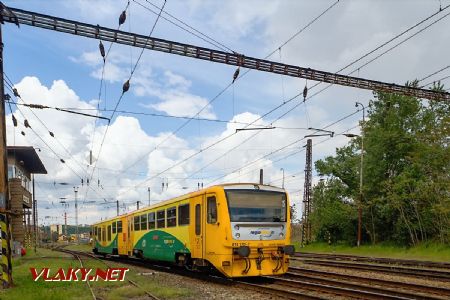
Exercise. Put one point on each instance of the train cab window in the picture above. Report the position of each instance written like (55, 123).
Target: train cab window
(109, 232)
(144, 222)
(137, 223)
(119, 226)
(161, 219)
(114, 227)
(212, 210)
(151, 220)
(198, 218)
(172, 217)
(183, 214)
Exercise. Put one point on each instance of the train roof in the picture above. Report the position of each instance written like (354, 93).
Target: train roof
(264, 187)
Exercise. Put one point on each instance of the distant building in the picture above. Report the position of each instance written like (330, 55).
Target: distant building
(23, 162)
(56, 228)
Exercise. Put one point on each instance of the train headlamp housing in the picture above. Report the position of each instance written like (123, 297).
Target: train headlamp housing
(289, 249)
(243, 251)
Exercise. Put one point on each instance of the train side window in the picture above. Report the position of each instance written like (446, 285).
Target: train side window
(99, 233)
(109, 232)
(161, 219)
(119, 226)
(198, 218)
(144, 222)
(137, 225)
(151, 220)
(212, 209)
(114, 228)
(172, 217)
(183, 214)
(95, 231)
(103, 234)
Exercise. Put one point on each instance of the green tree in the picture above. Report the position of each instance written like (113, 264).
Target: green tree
(406, 173)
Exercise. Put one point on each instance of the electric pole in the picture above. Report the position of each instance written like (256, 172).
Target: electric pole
(306, 224)
(65, 224)
(75, 189)
(361, 175)
(137, 204)
(149, 201)
(117, 206)
(6, 266)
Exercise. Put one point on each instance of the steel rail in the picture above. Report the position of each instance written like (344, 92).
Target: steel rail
(412, 287)
(341, 290)
(136, 40)
(436, 274)
(382, 260)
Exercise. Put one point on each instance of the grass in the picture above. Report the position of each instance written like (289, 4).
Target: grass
(80, 247)
(425, 251)
(27, 289)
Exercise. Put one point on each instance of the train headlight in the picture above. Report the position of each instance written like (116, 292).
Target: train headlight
(289, 249)
(237, 235)
(281, 235)
(236, 227)
(243, 251)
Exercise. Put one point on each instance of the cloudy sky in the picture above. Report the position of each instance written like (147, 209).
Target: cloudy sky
(151, 138)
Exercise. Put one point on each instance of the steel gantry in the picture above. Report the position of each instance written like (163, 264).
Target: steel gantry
(24, 17)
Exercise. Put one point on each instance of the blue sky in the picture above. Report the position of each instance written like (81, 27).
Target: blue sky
(63, 70)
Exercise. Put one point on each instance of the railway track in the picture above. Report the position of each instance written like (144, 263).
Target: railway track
(79, 254)
(303, 284)
(381, 286)
(376, 260)
(424, 273)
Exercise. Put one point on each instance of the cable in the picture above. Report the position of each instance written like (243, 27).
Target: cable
(224, 89)
(435, 81)
(123, 93)
(434, 73)
(199, 34)
(282, 148)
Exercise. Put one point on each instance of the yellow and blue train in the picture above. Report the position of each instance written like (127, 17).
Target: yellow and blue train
(238, 229)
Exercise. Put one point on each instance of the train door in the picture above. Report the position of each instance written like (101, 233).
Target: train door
(122, 236)
(196, 212)
(211, 226)
(130, 235)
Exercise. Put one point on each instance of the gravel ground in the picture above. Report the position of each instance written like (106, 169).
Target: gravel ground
(201, 289)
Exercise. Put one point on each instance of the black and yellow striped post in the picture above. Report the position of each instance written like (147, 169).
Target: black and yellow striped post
(6, 277)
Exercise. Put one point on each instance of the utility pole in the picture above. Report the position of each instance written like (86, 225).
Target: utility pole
(306, 224)
(282, 185)
(75, 189)
(137, 204)
(117, 206)
(65, 224)
(358, 243)
(6, 265)
(149, 201)
(261, 176)
(34, 217)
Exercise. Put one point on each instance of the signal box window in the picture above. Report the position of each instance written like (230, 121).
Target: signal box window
(151, 220)
(137, 224)
(172, 217)
(161, 219)
(109, 232)
(198, 217)
(183, 214)
(114, 228)
(212, 210)
(144, 222)
(119, 226)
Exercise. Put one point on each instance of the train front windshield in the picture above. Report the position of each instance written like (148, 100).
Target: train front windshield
(256, 206)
